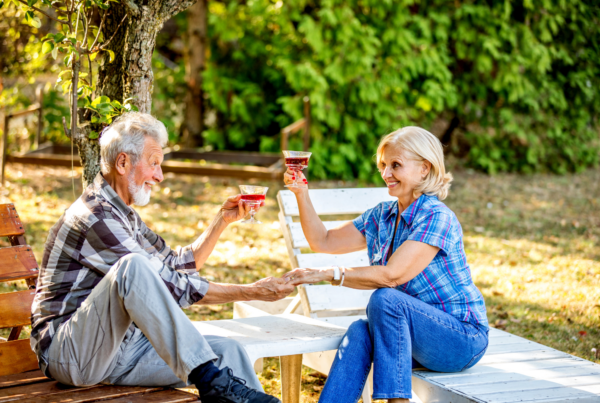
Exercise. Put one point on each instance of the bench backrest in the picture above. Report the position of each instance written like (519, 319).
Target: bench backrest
(16, 263)
(321, 298)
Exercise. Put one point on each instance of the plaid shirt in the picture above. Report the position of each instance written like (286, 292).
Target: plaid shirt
(88, 239)
(446, 283)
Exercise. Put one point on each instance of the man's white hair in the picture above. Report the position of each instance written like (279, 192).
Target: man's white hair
(127, 134)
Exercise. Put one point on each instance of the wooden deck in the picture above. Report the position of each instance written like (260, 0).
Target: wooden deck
(514, 369)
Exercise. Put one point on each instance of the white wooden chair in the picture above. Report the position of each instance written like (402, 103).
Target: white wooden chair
(513, 369)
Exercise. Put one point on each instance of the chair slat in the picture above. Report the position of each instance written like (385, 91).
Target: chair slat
(15, 308)
(10, 223)
(24, 378)
(30, 392)
(298, 238)
(336, 201)
(96, 394)
(165, 396)
(328, 297)
(15, 357)
(16, 263)
(354, 259)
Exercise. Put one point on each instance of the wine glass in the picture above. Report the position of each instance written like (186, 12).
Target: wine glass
(296, 161)
(253, 196)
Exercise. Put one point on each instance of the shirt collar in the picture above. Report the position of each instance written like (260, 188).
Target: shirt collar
(409, 214)
(102, 186)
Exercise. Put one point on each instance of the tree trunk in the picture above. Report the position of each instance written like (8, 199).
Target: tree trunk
(195, 64)
(130, 74)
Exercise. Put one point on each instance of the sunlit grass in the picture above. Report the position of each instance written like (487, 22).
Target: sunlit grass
(532, 243)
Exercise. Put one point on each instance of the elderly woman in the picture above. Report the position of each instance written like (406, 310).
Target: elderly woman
(425, 311)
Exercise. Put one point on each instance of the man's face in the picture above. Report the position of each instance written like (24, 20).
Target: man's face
(146, 173)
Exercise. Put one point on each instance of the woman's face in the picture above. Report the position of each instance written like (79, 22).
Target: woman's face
(401, 173)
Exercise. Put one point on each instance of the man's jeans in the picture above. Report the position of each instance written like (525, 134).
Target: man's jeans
(99, 345)
(401, 332)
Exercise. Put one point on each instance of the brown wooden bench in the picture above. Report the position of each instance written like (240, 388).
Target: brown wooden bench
(20, 377)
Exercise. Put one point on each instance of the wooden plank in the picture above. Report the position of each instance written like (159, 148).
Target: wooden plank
(165, 396)
(354, 259)
(519, 385)
(554, 395)
(191, 168)
(527, 356)
(514, 348)
(276, 335)
(523, 367)
(227, 157)
(330, 298)
(337, 201)
(16, 357)
(95, 394)
(15, 308)
(297, 234)
(17, 262)
(27, 392)
(24, 378)
(10, 223)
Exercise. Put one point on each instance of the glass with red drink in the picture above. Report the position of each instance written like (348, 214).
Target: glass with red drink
(253, 196)
(296, 161)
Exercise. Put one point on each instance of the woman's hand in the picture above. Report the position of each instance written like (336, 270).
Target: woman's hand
(309, 275)
(288, 179)
(234, 209)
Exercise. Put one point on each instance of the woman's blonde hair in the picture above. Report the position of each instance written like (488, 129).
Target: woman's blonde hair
(421, 146)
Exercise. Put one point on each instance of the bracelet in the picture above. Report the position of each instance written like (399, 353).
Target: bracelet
(343, 275)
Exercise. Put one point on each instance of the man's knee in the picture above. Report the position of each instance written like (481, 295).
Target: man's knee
(132, 265)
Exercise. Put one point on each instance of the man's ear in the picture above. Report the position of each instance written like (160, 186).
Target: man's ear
(122, 163)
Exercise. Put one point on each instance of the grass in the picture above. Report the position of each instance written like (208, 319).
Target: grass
(532, 243)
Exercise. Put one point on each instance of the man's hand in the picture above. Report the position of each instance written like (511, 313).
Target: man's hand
(269, 289)
(234, 209)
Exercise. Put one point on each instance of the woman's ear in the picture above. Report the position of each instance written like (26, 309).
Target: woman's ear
(122, 163)
(425, 168)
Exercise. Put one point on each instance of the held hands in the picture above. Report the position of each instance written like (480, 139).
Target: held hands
(309, 275)
(234, 209)
(271, 289)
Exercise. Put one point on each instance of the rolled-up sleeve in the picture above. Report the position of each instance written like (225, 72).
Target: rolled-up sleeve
(359, 222)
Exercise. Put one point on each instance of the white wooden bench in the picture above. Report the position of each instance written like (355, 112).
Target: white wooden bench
(513, 369)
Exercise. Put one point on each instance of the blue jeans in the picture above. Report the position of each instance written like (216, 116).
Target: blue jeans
(401, 333)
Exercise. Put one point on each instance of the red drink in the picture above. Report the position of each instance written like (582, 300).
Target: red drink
(253, 198)
(295, 161)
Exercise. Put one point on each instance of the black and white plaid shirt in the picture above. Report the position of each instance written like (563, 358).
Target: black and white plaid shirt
(88, 239)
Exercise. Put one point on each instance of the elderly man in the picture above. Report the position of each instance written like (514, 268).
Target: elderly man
(110, 291)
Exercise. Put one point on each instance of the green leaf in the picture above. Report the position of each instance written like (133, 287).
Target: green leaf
(32, 19)
(93, 135)
(54, 53)
(47, 47)
(93, 56)
(1, 3)
(101, 100)
(31, 3)
(111, 55)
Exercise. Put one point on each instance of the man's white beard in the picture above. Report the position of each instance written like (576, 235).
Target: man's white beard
(141, 197)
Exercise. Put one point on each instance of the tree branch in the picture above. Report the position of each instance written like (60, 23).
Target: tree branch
(172, 7)
(99, 31)
(105, 44)
(46, 14)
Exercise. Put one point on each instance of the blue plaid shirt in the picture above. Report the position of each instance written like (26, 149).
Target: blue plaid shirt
(446, 283)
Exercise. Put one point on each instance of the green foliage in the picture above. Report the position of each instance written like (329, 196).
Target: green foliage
(521, 77)
(80, 41)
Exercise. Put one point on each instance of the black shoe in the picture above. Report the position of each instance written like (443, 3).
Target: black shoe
(226, 388)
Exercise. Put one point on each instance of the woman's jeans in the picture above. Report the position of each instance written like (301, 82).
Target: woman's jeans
(401, 332)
